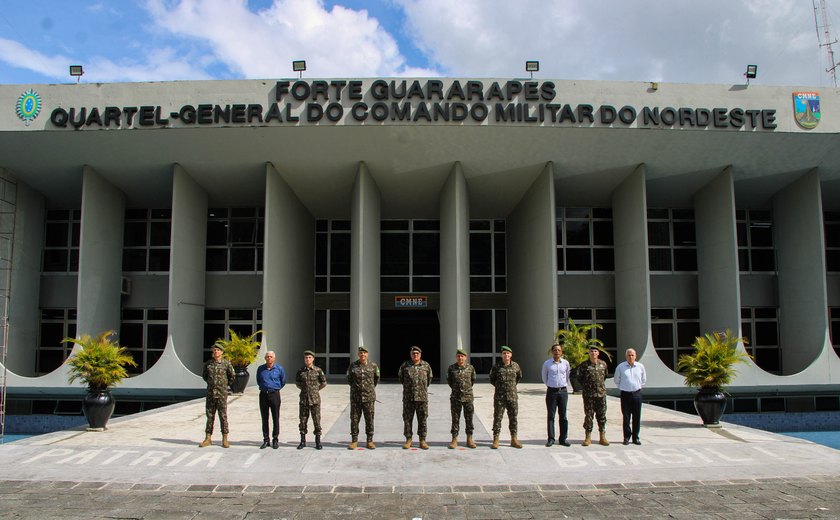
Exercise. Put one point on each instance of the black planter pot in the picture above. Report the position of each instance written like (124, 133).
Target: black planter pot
(98, 407)
(710, 404)
(574, 380)
(240, 381)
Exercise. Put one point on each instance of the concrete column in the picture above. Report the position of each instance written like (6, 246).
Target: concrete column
(800, 252)
(288, 272)
(364, 265)
(454, 268)
(27, 208)
(718, 281)
(187, 276)
(632, 276)
(100, 255)
(532, 275)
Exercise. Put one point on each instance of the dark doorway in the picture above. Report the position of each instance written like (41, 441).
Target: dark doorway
(401, 330)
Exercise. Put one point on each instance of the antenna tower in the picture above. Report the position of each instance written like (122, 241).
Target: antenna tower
(825, 40)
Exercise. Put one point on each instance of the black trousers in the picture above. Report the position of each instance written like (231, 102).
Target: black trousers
(270, 401)
(631, 413)
(556, 401)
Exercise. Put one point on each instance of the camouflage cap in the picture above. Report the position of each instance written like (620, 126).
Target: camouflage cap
(506, 348)
(461, 352)
(220, 347)
(415, 348)
(308, 353)
(362, 349)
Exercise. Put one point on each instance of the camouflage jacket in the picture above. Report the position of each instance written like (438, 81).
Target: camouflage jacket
(219, 376)
(504, 379)
(461, 381)
(591, 377)
(310, 381)
(363, 380)
(415, 380)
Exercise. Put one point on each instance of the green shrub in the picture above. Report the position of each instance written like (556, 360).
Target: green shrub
(101, 363)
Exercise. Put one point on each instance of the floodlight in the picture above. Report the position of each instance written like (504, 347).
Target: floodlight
(77, 71)
(532, 66)
(752, 71)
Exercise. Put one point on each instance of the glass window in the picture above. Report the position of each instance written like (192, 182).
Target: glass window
(61, 241)
(756, 251)
(487, 256)
(234, 239)
(671, 240)
(584, 240)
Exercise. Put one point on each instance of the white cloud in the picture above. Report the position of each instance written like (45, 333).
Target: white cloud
(334, 43)
(18, 55)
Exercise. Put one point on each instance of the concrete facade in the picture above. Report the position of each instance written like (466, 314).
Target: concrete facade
(521, 154)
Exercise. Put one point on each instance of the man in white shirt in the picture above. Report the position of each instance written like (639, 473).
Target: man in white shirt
(630, 377)
(555, 376)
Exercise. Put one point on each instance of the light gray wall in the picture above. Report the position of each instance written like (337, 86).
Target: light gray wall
(586, 290)
(759, 290)
(454, 267)
(28, 243)
(187, 260)
(364, 265)
(100, 255)
(288, 273)
(632, 280)
(673, 290)
(717, 255)
(532, 275)
(800, 251)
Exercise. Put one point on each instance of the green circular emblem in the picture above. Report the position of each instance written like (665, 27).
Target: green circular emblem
(28, 106)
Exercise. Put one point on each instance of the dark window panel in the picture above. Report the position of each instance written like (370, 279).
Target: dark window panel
(242, 212)
(55, 260)
(243, 259)
(501, 327)
(217, 233)
(577, 213)
(761, 215)
(157, 314)
(242, 329)
(159, 259)
(214, 314)
(832, 260)
(136, 214)
(661, 313)
(394, 283)
(426, 225)
(685, 259)
(659, 233)
(57, 234)
(426, 253)
(481, 284)
(479, 225)
(766, 333)
(602, 213)
(744, 260)
(75, 234)
(602, 233)
(152, 357)
(604, 259)
(321, 250)
(481, 331)
(499, 225)
(160, 234)
(52, 314)
(49, 360)
(763, 260)
(687, 332)
(577, 233)
(741, 227)
(321, 225)
(560, 264)
(131, 335)
(765, 313)
(558, 232)
(768, 359)
(832, 235)
(580, 315)
(339, 365)
(212, 332)
(339, 284)
(156, 336)
(661, 214)
(58, 214)
(604, 314)
(320, 284)
(131, 314)
(394, 253)
(394, 225)
(134, 234)
(688, 314)
(217, 213)
(340, 225)
(260, 258)
(480, 254)
(482, 365)
(163, 213)
(426, 284)
(501, 284)
(500, 253)
(52, 334)
(240, 315)
(663, 335)
(761, 235)
(684, 234)
(134, 260)
(243, 232)
(73, 261)
(660, 259)
(578, 260)
(682, 214)
(320, 331)
(217, 259)
(340, 331)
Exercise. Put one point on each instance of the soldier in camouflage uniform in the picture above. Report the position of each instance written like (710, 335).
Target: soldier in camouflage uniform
(363, 376)
(415, 375)
(461, 378)
(311, 380)
(591, 375)
(219, 374)
(504, 376)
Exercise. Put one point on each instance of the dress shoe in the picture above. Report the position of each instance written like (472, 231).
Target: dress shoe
(549, 443)
(564, 442)
(625, 442)
(637, 442)
(275, 444)
(264, 445)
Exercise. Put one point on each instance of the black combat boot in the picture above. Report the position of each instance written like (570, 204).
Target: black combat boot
(318, 445)
(302, 441)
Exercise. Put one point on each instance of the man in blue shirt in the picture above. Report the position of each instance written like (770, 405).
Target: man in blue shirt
(555, 376)
(630, 377)
(271, 378)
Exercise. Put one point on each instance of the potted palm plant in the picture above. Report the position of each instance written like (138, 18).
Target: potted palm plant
(576, 344)
(710, 368)
(241, 351)
(100, 363)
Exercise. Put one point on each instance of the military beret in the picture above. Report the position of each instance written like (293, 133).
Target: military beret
(415, 348)
(461, 352)
(362, 349)
(595, 348)
(220, 347)
(308, 353)
(506, 348)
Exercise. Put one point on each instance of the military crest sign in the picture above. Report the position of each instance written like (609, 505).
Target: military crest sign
(806, 109)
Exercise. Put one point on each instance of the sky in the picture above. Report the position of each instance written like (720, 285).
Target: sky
(676, 41)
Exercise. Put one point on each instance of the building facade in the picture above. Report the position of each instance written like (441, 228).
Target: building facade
(447, 213)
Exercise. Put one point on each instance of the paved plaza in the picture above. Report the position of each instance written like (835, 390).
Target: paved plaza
(149, 466)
